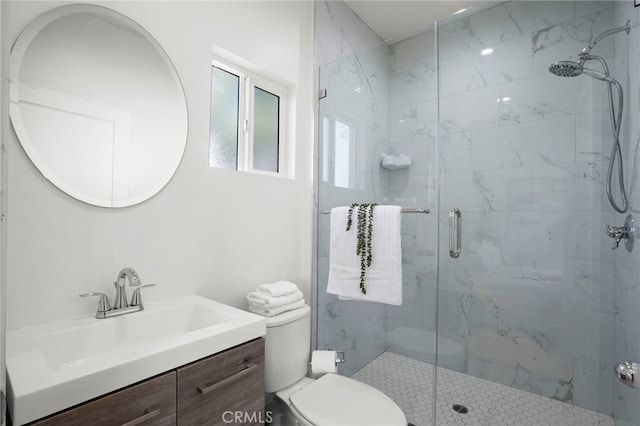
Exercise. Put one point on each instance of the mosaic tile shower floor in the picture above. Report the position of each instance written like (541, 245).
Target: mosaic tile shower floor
(409, 383)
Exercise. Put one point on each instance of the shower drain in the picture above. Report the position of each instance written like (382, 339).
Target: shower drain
(458, 408)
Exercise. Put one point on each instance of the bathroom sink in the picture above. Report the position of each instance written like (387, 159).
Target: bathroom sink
(56, 365)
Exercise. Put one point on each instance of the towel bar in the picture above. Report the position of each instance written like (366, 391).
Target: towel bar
(410, 210)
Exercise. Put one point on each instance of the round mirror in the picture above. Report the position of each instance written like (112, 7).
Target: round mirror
(97, 105)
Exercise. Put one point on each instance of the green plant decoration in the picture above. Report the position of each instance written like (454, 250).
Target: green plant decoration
(364, 233)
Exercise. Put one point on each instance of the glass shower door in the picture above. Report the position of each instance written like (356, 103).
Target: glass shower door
(377, 99)
(526, 311)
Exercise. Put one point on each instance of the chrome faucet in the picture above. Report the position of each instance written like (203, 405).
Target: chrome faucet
(121, 306)
(121, 289)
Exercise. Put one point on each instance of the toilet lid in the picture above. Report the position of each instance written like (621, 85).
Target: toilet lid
(340, 401)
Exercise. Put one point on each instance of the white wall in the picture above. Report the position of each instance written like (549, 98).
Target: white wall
(212, 232)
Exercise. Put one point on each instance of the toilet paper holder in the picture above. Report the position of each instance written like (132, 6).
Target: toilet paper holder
(340, 358)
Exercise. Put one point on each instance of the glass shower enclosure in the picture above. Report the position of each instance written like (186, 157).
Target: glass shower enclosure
(528, 323)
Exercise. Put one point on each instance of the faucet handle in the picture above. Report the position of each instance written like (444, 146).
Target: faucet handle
(103, 302)
(136, 297)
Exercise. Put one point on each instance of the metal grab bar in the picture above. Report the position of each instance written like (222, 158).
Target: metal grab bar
(455, 233)
(407, 210)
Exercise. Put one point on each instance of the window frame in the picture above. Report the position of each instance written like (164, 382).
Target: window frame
(248, 82)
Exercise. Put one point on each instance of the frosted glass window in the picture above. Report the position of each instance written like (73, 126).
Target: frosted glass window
(266, 129)
(342, 155)
(248, 114)
(223, 129)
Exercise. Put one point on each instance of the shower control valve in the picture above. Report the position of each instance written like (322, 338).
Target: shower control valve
(619, 233)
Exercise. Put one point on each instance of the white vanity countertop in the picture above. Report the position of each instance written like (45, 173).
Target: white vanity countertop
(56, 365)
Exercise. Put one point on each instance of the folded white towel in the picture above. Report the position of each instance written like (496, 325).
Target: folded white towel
(270, 312)
(278, 288)
(261, 299)
(383, 279)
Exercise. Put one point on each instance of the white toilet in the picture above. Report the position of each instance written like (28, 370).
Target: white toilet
(331, 400)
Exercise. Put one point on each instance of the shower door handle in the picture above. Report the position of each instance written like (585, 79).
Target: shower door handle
(455, 233)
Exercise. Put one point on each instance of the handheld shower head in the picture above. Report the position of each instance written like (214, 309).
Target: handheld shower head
(599, 75)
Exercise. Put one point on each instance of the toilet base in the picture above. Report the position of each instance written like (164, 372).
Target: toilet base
(278, 413)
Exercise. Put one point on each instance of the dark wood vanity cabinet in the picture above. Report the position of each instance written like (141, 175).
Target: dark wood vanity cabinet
(152, 402)
(224, 389)
(227, 388)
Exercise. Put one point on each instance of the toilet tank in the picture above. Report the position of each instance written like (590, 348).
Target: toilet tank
(287, 348)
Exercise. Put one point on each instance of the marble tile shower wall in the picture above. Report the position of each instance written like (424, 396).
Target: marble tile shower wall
(626, 409)
(523, 155)
(353, 64)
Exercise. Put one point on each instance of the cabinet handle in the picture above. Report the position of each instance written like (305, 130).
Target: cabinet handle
(143, 418)
(204, 389)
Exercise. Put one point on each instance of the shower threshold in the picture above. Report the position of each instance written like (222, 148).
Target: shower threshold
(467, 400)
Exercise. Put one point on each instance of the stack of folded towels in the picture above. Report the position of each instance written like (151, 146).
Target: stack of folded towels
(275, 298)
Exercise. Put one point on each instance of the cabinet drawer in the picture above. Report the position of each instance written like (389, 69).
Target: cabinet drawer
(152, 402)
(226, 388)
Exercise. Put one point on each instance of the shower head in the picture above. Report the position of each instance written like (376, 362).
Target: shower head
(574, 69)
(566, 69)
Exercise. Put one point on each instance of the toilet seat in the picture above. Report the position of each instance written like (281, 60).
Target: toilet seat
(340, 401)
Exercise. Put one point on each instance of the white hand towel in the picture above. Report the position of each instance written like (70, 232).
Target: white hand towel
(260, 299)
(270, 312)
(278, 288)
(383, 279)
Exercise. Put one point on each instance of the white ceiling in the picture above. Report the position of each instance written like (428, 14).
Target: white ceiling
(397, 20)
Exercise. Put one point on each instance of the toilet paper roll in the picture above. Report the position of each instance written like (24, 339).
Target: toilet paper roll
(323, 362)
